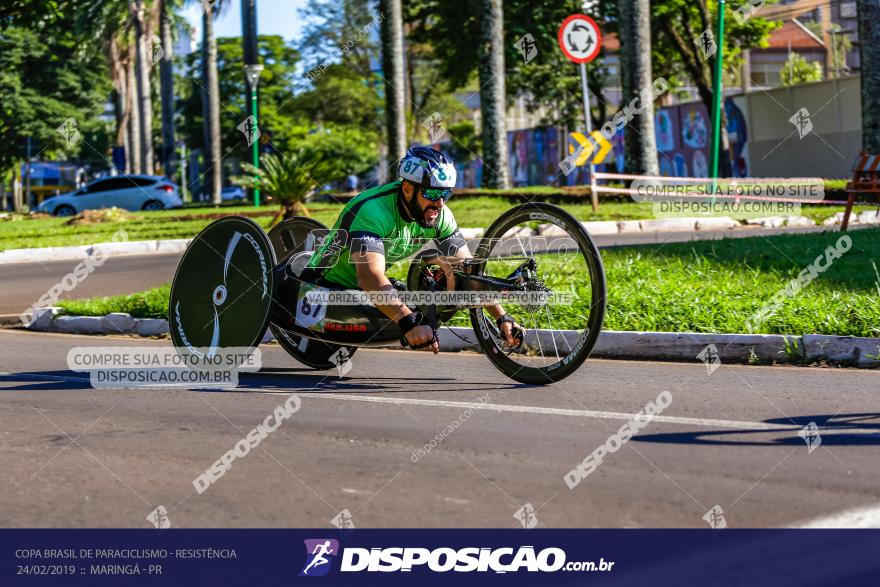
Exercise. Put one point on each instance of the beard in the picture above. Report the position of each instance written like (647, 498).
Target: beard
(419, 215)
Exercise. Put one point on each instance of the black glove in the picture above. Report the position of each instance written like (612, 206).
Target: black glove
(409, 322)
(516, 331)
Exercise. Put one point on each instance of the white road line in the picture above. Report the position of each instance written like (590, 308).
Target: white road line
(538, 410)
(864, 517)
(356, 491)
(707, 422)
(456, 501)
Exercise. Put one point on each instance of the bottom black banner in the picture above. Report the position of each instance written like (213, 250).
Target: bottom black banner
(436, 557)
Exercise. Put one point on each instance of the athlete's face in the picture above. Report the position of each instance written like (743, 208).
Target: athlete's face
(423, 210)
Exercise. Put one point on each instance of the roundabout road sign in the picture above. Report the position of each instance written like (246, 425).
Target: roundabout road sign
(580, 38)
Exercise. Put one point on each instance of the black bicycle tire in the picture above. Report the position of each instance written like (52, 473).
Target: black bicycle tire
(557, 371)
(175, 329)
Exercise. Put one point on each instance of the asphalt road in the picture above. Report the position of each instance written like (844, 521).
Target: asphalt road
(24, 283)
(74, 456)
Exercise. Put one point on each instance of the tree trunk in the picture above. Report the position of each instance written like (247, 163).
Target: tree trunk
(133, 157)
(296, 208)
(210, 101)
(144, 101)
(120, 92)
(493, 95)
(166, 85)
(392, 69)
(869, 55)
(636, 77)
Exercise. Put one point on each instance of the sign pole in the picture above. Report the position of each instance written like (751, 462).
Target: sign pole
(717, 97)
(256, 145)
(580, 40)
(252, 73)
(594, 197)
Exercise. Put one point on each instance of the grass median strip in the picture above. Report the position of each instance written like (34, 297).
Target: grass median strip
(705, 286)
(185, 222)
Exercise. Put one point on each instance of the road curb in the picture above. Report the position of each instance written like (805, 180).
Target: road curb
(612, 344)
(154, 247)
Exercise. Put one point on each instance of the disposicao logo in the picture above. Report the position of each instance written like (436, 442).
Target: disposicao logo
(320, 553)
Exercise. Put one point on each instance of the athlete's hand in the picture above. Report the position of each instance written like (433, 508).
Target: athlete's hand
(422, 335)
(508, 330)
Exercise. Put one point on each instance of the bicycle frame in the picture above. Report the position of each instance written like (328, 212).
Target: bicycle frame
(360, 324)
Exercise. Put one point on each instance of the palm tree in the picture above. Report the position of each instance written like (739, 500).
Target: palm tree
(288, 179)
(141, 23)
(108, 22)
(134, 153)
(166, 86)
(492, 95)
(392, 68)
(211, 105)
(635, 40)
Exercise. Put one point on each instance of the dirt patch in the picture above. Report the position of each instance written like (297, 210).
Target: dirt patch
(216, 215)
(100, 216)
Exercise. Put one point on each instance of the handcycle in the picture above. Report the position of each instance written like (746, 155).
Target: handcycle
(235, 281)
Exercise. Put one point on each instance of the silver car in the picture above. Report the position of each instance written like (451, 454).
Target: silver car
(130, 192)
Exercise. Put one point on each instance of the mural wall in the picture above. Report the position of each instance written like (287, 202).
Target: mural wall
(683, 134)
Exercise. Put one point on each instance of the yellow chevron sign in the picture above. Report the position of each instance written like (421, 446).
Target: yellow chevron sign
(589, 146)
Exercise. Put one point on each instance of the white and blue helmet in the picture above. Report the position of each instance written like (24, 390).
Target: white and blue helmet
(428, 168)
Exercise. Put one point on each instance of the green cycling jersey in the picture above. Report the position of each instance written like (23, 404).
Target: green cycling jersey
(376, 221)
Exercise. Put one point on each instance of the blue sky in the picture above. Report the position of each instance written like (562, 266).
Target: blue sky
(274, 17)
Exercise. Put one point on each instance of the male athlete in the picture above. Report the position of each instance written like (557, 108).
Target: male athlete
(391, 222)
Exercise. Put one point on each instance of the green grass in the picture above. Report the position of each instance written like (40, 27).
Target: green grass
(706, 286)
(470, 212)
(152, 303)
(716, 286)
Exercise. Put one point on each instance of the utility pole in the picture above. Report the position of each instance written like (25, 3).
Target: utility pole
(252, 69)
(718, 91)
(253, 75)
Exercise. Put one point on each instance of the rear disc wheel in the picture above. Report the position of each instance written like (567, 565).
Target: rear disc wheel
(222, 290)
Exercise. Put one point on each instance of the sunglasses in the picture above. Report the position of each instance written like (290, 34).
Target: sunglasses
(434, 194)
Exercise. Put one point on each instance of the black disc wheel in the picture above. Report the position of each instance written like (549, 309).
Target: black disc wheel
(554, 262)
(222, 290)
(294, 240)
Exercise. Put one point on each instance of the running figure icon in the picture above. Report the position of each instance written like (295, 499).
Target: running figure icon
(319, 555)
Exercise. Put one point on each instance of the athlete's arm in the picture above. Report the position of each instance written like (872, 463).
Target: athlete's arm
(370, 267)
(455, 246)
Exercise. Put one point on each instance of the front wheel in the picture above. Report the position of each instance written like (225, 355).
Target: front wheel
(556, 265)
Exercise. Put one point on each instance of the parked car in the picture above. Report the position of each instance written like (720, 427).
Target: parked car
(232, 193)
(130, 192)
